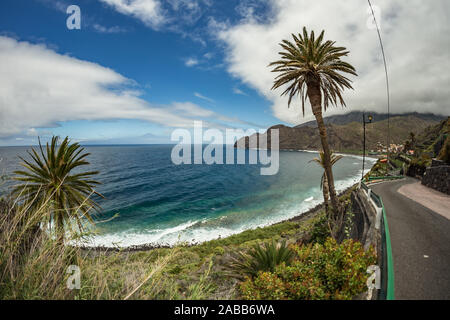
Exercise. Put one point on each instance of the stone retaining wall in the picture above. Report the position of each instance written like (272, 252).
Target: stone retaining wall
(437, 177)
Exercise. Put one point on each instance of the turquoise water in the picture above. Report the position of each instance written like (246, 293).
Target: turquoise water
(158, 202)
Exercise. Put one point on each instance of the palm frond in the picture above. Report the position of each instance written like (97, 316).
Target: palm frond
(48, 178)
(309, 59)
(321, 162)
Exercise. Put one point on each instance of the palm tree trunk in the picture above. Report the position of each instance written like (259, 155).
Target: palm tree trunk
(326, 193)
(59, 222)
(315, 97)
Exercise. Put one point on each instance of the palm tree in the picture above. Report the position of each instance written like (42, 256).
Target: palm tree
(323, 181)
(312, 70)
(413, 140)
(49, 181)
(407, 146)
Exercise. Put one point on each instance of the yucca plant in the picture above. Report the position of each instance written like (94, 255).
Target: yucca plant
(333, 221)
(49, 181)
(312, 68)
(324, 181)
(261, 258)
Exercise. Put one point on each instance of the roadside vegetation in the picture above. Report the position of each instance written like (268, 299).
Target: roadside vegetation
(319, 271)
(418, 152)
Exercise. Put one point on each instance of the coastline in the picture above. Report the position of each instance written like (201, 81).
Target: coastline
(299, 218)
(339, 153)
(344, 153)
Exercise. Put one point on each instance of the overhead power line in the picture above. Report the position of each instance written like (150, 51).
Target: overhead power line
(387, 82)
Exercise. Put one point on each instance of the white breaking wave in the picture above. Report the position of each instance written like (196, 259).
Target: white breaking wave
(130, 237)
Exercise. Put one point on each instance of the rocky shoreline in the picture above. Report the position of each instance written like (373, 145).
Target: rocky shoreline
(147, 247)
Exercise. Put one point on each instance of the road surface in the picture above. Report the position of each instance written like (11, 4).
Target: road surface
(420, 240)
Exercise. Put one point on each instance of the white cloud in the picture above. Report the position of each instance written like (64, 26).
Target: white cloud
(204, 63)
(173, 14)
(40, 88)
(189, 11)
(169, 15)
(148, 11)
(208, 55)
(32, 132)
(239, 91)
(190, 62)
(200, 96)
(193, 110)
(102, 29)
(415, 35)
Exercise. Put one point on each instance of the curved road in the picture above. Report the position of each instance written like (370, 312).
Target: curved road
(420, 245)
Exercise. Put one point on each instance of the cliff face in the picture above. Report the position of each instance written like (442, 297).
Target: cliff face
(345, 137)
(433, 138)
(356, 116)
(307, 138)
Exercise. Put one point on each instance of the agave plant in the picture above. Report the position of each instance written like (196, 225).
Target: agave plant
(312, 68)
(49, 181)
(261, 258)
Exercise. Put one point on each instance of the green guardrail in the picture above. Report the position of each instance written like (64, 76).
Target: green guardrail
(387, 262)
(390, 261)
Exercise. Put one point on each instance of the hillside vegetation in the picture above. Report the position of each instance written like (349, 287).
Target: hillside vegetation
(434, 138)
(348, 137)
(356, 116)
(36, 266)
(432, 142)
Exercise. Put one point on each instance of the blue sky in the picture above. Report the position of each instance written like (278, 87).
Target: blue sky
(138, 69)
(167, 65)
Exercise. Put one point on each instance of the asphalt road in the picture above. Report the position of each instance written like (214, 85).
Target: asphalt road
(420, 245)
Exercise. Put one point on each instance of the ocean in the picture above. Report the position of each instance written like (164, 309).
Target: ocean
(160, 203)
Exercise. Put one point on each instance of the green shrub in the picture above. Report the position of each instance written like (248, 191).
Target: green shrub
(418, 165)
(175, 269)
(219, 250)
(328, 271)
(201, 289)
(444, 154)
(378, 170)
(262, 258)
(320, 230)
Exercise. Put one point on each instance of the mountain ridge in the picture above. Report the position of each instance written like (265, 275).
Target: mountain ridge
(356, 116)
(347, 137)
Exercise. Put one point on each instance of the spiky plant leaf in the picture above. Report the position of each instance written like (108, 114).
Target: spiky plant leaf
(308, 59)
(261, 258)
(321, 162)
(48, 179)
